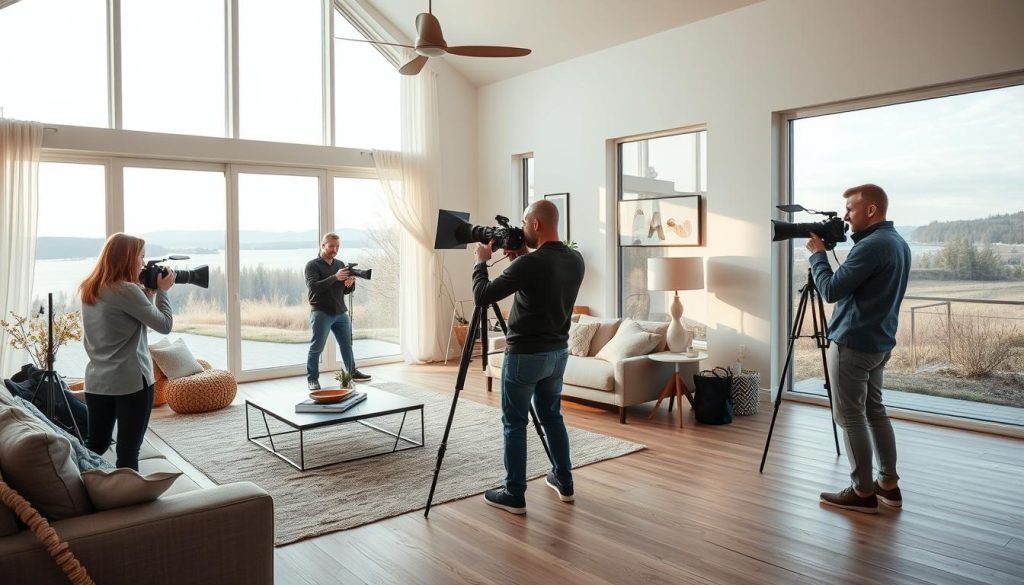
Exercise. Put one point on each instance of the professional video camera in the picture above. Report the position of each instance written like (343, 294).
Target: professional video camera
(455, 231)
(364, 274)
(199, 276)
(831, 230)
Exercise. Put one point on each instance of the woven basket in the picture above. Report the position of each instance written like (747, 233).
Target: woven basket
(746, 392)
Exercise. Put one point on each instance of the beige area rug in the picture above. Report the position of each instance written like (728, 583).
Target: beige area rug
(350, 494)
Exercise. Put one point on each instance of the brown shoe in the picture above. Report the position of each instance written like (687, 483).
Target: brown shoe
(849, 500)
(891, 497)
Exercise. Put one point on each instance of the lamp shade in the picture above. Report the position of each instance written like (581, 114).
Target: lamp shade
(675, 273)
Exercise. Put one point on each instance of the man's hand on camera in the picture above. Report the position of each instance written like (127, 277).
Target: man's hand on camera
(344, 275)
(815, 244)
(513, 254)
(165, 281)
(483, 252)
(350, 281)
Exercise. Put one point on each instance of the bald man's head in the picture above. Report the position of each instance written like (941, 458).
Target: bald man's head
(540, 223)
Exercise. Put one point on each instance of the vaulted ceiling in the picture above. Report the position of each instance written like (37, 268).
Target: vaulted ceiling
(555, 30)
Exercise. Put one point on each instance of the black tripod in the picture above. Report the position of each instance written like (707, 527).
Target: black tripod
(477, 325)
(808, 295)
(52, 382)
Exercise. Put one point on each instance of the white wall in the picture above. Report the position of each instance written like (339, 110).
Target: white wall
(730, 72)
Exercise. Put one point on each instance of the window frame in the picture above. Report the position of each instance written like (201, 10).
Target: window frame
(781, 256)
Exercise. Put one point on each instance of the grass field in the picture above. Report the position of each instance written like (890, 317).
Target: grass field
(942, 356)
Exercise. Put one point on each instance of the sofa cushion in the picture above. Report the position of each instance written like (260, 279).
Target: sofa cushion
(116, 488)
(80, 454)
(590, 373)
(659, 328)
(630, 340)
(37, 463)
(604, 333)
(175, 360)
(8, 520)
(580, 336)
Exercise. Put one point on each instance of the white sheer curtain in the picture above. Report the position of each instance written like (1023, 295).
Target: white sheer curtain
(20, 146)
(411, 183)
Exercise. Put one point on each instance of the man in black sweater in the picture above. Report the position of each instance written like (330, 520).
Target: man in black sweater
(328, 281)
(545, 282)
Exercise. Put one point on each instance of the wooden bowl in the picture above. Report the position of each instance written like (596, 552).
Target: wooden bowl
(329, 396)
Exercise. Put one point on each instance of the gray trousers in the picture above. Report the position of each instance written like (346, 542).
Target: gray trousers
(857, 407)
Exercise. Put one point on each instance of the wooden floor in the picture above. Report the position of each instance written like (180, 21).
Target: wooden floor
(692, 508)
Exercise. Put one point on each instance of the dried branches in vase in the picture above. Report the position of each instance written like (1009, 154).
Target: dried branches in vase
(29, 333)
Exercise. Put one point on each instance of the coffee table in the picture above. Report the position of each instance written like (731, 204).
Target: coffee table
(281, 406)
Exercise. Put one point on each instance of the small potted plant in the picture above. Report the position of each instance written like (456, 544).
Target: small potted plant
(344, 378)
(461, 329)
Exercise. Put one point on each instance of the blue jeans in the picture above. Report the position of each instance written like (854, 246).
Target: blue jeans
(536, 376)
(322, 324)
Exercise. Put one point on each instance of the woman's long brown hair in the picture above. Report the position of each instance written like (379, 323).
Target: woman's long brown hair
(118, 262)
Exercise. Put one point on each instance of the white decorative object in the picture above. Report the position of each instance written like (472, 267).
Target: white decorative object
(676, 274)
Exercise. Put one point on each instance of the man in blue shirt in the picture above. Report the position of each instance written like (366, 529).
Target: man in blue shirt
(867, 290)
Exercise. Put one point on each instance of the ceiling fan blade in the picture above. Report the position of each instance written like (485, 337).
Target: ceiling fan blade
(486, 51)
(413, 67)
(374, 42)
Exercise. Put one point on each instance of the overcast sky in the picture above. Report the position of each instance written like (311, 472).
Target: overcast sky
(959, 157)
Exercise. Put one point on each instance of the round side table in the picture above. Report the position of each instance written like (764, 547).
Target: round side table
(675, 389)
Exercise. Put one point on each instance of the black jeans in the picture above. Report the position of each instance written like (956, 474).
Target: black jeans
(130, 412)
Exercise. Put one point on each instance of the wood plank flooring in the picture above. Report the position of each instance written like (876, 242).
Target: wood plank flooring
(692, 508)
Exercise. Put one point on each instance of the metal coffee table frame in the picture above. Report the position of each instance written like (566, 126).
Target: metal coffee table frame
(329, 422)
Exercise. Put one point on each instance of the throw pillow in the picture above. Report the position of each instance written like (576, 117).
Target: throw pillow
(658, 327)
(629, 341)
(580, 335)
(174, 359)
(80, 454)
(604, 334)
(116, 488)
(37, 463)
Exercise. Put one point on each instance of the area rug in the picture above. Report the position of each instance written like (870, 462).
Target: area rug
(347, 495)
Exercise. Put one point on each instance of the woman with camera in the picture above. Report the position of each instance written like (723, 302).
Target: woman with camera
(116, 310)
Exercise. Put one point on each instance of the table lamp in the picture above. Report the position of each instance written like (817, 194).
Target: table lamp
(676, 274)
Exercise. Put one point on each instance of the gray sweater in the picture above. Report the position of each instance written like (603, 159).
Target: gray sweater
(115, 338)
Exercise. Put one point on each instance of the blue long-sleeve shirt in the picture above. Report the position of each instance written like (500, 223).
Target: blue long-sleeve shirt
(867, 288)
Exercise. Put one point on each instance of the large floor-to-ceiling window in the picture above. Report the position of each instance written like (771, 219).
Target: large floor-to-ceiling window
(272, 93)
(951, 168)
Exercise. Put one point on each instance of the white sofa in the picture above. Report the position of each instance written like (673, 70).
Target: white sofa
(627, 382)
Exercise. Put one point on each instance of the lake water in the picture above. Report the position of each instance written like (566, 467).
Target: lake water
(58, 276)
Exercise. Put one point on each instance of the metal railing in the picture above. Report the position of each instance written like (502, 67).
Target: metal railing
(938, 302)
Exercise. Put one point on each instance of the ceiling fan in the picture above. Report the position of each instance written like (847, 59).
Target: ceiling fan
(430, 43)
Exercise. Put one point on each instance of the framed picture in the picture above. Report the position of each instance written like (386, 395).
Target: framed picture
(561, 201)
(665, 221)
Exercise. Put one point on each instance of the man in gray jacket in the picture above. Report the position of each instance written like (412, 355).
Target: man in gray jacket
(867, 290)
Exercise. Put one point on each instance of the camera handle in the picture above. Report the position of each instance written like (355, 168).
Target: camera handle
(477, 325)
(808, 295)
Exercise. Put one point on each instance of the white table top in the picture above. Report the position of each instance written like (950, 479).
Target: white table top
(676, 358)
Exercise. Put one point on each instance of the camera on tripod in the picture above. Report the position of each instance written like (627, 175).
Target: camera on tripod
(199, 276)
(831, 230)
(455, 231)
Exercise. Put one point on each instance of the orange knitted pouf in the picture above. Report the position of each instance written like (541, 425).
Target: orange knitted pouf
(208, 390)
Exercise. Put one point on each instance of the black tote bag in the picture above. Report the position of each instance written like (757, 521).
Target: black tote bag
(712, 401)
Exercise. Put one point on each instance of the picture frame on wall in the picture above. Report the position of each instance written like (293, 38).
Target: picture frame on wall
(662, 221)
(561, 201)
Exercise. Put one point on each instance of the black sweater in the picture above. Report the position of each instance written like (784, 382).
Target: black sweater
(326, 292)
(545, 282)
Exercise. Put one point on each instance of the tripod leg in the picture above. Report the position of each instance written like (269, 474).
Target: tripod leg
(797, 326)
(820, 327)
(460, 381)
